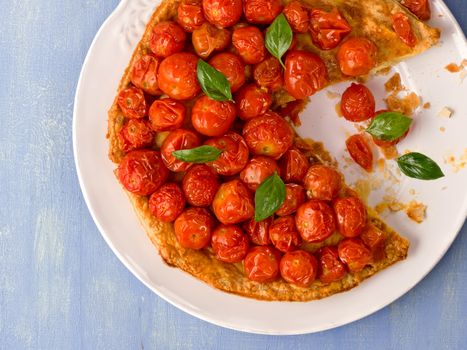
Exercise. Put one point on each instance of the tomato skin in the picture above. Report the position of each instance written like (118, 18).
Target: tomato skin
(323, 182)
(305, 73)
(315, 221)
(258, 231)
(137, 133)
(298, 16)
(166, 39)
(357, 56)
(257, 170)
(142, 172)
(229, 243)
(420, 8)
(132, 103)
(330, 267)
(233, 203)
(232, 67)
(268, 135)
(354, 254)
(262, 264)
(360, 151)
(375, 240)
(208, 39)
(166, 114)
(283, 234)
(223, 13)
(357, 103)
(294, 165)
(190, 15)
(193, 228)
(234, 156)
(403, 28)
(177, 140)
(351, 216)
(327, 29)
(144, 74)
(212, 118)
(261, 11)
(299, 267)
(249, 42)
(294, 198)
(200, 185)
(268, 74)
(252, 101)
(177, 76)
(168, 202)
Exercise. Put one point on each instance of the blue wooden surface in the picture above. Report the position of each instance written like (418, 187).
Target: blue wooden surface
(61, 287)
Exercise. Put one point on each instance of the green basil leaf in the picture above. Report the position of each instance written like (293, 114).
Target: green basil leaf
(419, 166)
(389, 126)
(279, 37)
(213, 83)
(202, 154)
(269, 197)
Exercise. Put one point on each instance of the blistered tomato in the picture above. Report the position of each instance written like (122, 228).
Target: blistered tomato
(268, 74)
(177, 140)
(262, 264)
(137, 133)
(294, 165)
(403, 28)
(330, 267)
(193, 228)
(168, 202)
(257, 170)
(420, 8)
(327, 29)
(209, 38)
(299, 267)
(190, 15)
(234, 154)
(284, 235)
(323, 182)
(294, 198)
(233, 203)
(212, 118)
(351, 216)
(252, 101)
(223, 13)
(315, 221)
(144, 74)
(258, 231)
(166, 114)
(354, 254)
(357, 56)
(166, 39)
(229, 243)
(261, 11)
(360, 151)
(357, 103)
(132, 103)
(298, 16)
(249, 42)
(200, 185)
(232, 67)
(375, 240)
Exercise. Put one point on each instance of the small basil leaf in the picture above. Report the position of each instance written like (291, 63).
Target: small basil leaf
(213, 83)
(389, 126)
(419, 166)
(279, 37)
(269, 197)
(202, 154)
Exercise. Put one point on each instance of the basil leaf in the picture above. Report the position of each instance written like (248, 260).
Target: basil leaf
(202, 154)
(269, 197)
(419, 166)
(279, 37)
(389, 126)
(213, 83)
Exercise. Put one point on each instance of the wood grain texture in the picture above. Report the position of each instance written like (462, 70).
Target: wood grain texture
(61, 287)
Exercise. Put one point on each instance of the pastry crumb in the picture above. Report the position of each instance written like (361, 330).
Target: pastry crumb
(456, 165)
(426, 105)
(338, 110)
(381, 164)
(442, 129)
(390, 152)
(332, 94)
(405, 105)
(445, 112)
(384, 71)
(453, 68)
(394, 84)
(416, 211)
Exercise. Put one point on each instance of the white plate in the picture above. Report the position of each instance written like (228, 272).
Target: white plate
(446, 198)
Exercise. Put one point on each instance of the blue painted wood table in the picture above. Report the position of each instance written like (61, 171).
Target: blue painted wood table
(61, 287)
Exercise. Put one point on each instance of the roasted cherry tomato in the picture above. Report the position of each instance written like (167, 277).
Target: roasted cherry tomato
(268, 135)
(268, 74)
(144, 74)
(328, 28)
(305, 73)
(354, 254)
(375, 239)
(177, 76)
(357, 103)
(137, 133)
(257, 170)
(142, 172)
(284, 235)
(294, 198)
(193, 228)
(262, 264)
(166, 39)
(190, 15)
(351, 216)
(294, 165)
(166, 114)
(223, 13)
(249, 42)
(209, 38)
(258, 231)
(200, 185)
(232, 67)
(234, 154)
(233, 203)
(299, 267)
(212, 118)
(360, 151)
(315, 221)
(357, 56)
(298, 16)
(252, 101)
(323, 182)
(403, 28)
(330, 267)
(168, 202)
(132, 103)
(177, 140)
(229, 243)
(261, 11)
(420, 8)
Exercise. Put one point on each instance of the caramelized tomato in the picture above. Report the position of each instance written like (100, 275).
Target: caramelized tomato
(233, 203)
(232, 67)
(193, 228)
(261, 11)
(177, 140)
(190, 15)
(249, 42)
(262, 264)
(315, 221)
(354, 254)
(200, 185)
(351, 216)
(258, 231)
(132, 103)
(166, 114)
(298, 16)
(323, 182)
(234, 154)
(420, 8)
(294, 198)
(167, 203)
(375, 240)
(283, 234)
(360, 151)
(357, 103)
(166, 39)
(257, 170)
(252, 101)
(229, 243)
(268, 74)
(330, 267)
(137, 133)
(294, 165)
(223, 13)
(403, 28)
(208, 39)
(328, 28)
(212, 118)
(144, 74)
(299, 267)
(357, 56)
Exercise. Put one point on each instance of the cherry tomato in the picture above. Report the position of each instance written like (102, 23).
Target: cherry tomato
(142, 172)
(193, 228)
(360, 151)
(229, 243)
(166, 39)
(234, 154)
(167, 203)
(323, 182)
(403, 28)
(328, 28)
(252, 101)
(283, 234)
(166, 114)
(177, 140)
(305, 73)
(330, 267)
(420, 8)
(298, 16)
(208, 39)
(257, 170)
(354, 254)
(351, 216)
(132, 103)
(315, 221)
(137, 133)
(268, 74)
(177, 76)
(249, 42)
(357, 56)
(190, 15)
(258, 231)
(223, 13)
(294, 198)
(232, 67)
(294, 165)
(261, 11)
(233, 203)
(144, 74)
(212, 118)
(375, 240)
(299, 267)
(200, 185)
(262, 264)
(357, 103)
(268, 135)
